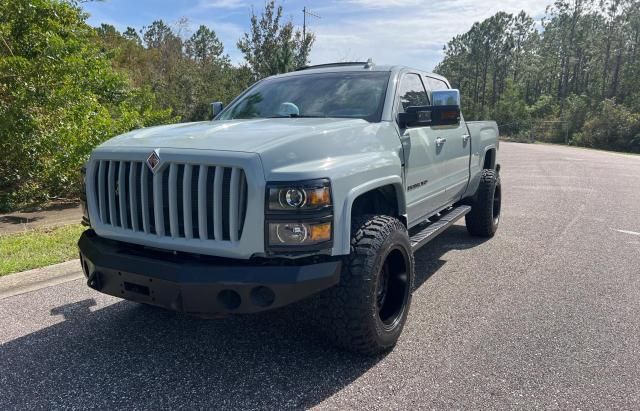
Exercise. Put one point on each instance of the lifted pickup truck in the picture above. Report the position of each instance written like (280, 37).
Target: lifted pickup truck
(321, 182)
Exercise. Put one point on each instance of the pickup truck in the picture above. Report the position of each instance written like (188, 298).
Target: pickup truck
(318, 183)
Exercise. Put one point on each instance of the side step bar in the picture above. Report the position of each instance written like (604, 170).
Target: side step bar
(431, 231)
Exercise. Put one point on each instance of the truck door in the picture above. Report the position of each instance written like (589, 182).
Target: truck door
(424, 169)
(455, 149)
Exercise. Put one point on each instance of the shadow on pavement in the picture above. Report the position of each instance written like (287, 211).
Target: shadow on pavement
(428, 258)
(134, 356)
(12, 219)
(55, 206)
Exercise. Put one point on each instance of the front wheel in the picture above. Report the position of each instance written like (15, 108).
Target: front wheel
(484, 217)
(367, 311)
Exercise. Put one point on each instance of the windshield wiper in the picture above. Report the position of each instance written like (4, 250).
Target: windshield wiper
(297, 116)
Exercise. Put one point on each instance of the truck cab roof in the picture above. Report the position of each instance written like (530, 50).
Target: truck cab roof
(354, 67)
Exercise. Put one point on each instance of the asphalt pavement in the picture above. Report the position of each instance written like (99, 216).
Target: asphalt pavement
(544, 315)
(52, 215)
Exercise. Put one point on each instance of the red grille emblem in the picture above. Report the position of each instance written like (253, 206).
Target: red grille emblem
(153, 161)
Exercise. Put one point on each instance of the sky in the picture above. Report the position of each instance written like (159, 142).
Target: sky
(406, 32)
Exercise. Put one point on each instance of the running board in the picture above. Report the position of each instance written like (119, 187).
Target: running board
(431, 231)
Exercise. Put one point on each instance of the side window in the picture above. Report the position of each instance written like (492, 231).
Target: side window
(412, 92)
(435, 84)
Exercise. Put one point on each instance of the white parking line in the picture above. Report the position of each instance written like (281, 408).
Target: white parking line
(626, 232)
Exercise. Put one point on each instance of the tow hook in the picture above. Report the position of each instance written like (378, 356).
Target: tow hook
(94, 281)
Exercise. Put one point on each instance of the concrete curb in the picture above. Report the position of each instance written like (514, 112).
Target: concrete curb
(32, 280)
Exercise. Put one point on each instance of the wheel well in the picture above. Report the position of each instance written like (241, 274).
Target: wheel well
(490, 159)
(381, 200)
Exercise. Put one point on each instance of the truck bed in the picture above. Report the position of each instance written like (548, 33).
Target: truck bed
(483, 133)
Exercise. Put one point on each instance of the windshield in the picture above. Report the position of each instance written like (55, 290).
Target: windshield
(344, 94)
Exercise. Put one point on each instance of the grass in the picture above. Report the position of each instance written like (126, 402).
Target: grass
(39, 248)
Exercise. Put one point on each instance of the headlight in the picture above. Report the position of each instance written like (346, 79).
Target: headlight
(298, 216)
(303, 196)
(298, 233)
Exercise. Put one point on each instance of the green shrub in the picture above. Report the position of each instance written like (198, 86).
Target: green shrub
(59, 98)
(611, 126)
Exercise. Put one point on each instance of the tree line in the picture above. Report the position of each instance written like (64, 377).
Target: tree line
(573, 77)
(65, 86)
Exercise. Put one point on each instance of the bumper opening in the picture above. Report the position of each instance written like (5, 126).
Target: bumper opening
(136, 288)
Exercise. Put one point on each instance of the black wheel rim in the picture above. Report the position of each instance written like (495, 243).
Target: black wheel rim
(392, 290)
(497, 203)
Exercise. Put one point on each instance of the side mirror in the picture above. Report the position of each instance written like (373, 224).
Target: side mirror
(449, 97)
(216, 108)
(445, 115)
(445, 109)
(415, 116)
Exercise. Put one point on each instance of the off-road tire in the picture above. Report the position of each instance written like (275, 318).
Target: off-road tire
(349, 312)
(484, 217)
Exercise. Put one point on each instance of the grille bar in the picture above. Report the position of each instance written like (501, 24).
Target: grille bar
(112, 192)
(202, 202)
(144, 183)
(186, 202)
(233, 204)
(192, 201)
(122, 194)
(217, 208)
(242, 201)
(173, 201)
(133, 195)
(158, 209)
(101, 191)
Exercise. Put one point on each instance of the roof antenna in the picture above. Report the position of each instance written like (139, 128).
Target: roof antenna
(369, 65)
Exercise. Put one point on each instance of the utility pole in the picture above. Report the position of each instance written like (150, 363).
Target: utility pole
(306, 12)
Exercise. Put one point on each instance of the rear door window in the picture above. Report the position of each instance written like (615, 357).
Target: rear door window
(435, 84)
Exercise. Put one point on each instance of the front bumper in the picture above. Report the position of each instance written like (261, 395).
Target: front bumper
(199, 284)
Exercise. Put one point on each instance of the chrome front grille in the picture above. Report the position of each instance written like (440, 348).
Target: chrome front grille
(179, 200)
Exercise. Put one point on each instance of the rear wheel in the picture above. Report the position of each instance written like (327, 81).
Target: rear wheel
(367, 311)
(484, 217)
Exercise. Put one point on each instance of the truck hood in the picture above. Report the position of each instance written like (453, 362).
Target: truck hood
(251, 136)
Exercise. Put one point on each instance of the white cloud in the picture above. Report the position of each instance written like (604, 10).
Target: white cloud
(382, 4)
(412, 33)
(221, 4)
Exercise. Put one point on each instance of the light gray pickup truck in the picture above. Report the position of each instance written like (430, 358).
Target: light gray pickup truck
(321, 182)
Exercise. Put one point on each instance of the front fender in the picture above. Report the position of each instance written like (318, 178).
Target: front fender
(345, 225)
(351, 176)
(355, 159)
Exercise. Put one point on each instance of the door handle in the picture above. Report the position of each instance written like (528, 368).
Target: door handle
(440, 141)
(465, 138)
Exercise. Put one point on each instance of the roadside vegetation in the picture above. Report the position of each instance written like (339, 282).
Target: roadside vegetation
(38, 248)
(573, 79)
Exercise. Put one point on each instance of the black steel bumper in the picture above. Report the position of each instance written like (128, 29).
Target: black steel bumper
(198, 284)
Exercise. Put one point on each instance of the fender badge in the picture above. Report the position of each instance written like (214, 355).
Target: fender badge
(153, 161)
